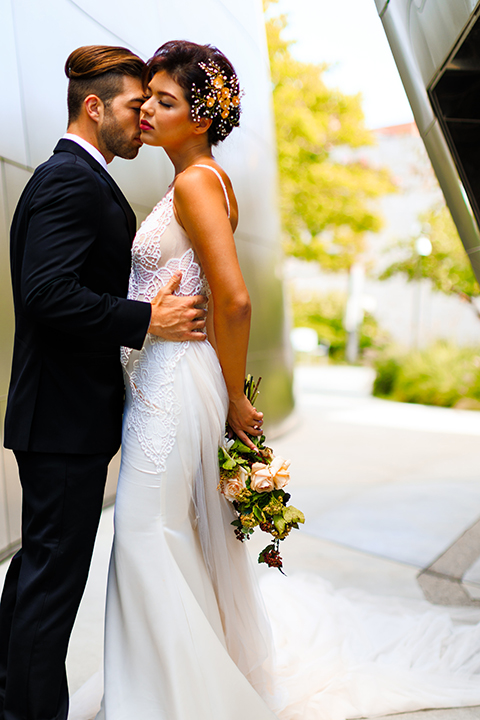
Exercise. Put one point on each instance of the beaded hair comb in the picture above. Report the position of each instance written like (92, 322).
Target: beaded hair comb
(218, 98)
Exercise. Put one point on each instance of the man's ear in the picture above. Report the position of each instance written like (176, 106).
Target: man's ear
(202, 125)
(94, 107)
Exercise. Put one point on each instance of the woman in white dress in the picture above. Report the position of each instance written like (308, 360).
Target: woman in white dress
(186, 634)
(184, 623)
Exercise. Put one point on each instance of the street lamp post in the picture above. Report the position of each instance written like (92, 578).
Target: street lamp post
(423, 247)
(354, 310)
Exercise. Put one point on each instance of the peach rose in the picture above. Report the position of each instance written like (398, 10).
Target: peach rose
(261, 479)
(232, 488)
(266, 478)
(280, 472)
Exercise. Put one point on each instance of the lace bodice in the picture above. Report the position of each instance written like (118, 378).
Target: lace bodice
(160, 248)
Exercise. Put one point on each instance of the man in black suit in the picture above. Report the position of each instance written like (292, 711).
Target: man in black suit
(70, 260)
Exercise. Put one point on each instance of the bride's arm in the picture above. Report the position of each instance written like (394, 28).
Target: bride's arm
(200, 205)
(210, 325)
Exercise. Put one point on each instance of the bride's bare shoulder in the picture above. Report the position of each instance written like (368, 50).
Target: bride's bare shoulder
(203, 175)
(206, 183)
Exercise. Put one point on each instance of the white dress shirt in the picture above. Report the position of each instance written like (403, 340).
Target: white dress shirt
(96, 154)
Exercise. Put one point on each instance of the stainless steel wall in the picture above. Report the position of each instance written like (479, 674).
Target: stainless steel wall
(35, 40)
(422, 35)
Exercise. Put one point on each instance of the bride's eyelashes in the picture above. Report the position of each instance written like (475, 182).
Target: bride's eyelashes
(164, 104)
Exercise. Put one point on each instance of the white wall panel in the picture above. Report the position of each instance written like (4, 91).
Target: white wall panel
(12, 128)
(15, 180)
(6, 303)
(46, 33)
(434, 30)
(431, 28)
(4, 529)
(14, 492)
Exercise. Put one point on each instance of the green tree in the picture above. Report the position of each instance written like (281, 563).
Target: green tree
(447, 266)
(326, 202)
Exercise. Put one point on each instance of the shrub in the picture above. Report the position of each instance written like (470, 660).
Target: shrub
(442, 374)
(387, 368)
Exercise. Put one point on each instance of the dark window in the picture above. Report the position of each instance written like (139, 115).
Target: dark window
(455, 97)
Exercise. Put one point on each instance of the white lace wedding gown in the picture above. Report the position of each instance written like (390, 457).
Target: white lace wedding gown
(183, 613)
(186, 633)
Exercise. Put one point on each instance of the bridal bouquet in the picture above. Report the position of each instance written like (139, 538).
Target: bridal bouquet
(254, 481)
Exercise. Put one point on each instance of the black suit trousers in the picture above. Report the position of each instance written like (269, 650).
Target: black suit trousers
(62, 502)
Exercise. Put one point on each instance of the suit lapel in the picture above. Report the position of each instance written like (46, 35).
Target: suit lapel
(70, 146)
(123, 202)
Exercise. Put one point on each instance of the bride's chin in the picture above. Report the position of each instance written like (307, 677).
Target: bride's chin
(147, 139)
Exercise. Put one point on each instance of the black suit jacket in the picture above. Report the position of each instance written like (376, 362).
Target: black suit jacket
(71, 239)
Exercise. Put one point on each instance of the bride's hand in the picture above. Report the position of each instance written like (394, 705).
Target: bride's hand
(177, 318)
(243, 418)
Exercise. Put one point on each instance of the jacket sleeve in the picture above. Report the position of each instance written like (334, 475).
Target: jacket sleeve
(63, 224)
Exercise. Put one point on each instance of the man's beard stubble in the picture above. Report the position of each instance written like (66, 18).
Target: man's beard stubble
(114, 139)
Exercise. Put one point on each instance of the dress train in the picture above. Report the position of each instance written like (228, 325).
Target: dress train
(343, 654)
(347, 654)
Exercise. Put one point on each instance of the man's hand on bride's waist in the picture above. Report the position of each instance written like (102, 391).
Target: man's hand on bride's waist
(178, 318)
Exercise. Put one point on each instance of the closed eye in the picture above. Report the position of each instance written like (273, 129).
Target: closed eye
(160, 102)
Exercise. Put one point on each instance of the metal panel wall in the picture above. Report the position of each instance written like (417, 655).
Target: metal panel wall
(422, 35)
(35, 40)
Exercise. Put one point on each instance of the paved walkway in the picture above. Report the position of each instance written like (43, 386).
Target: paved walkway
(386, 488)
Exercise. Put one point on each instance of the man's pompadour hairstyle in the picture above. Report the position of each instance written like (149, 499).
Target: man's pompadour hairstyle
(98, 70)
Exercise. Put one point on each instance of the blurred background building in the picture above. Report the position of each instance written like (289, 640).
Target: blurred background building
(35, 40)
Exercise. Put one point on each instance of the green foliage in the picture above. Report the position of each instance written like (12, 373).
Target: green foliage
(325, 313)
(325, 202)
(443, 374)
(447, 266)
(387, 368)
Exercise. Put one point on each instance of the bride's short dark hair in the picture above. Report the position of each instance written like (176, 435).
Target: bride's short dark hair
(203, 72)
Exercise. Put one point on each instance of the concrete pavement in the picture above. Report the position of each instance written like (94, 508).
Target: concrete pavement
(386, 488)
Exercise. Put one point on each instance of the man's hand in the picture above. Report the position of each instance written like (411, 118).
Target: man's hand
(178, 318)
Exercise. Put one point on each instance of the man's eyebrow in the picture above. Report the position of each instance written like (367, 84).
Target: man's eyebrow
(139, 100)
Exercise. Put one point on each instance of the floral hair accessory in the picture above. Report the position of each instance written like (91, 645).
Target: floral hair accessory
(218, 99)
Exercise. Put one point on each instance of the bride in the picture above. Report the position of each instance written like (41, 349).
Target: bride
(186, 633)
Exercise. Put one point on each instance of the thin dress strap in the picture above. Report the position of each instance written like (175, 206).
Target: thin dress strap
(209, 167)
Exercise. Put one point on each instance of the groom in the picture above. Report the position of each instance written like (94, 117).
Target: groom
(70, 260)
